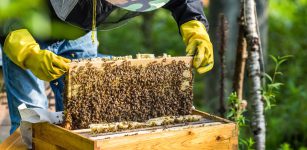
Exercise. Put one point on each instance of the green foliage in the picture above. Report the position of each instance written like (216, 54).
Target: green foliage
(36, 17)
(269, 92)
(235, 113)
(246, 144)
(129, 39)
(235, 110)
(271, 89)
(287, 35)
(285, 146)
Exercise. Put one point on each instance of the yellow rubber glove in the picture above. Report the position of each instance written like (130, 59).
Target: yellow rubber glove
(23, 50)
(198, 43)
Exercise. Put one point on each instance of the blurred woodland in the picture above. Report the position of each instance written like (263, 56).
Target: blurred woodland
(282, 30)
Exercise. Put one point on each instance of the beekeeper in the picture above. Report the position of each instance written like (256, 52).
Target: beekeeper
(27, 64)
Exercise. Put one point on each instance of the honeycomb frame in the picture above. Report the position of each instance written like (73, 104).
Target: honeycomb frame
(104, 91)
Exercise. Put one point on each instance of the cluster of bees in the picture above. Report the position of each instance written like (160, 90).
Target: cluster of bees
(127, 125)
(113, 92)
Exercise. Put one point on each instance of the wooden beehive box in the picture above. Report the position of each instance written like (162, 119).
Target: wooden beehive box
(164, 87)
(213, 133)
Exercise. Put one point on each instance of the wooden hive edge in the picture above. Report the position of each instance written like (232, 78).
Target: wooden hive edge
(144, 61)
(59, 137)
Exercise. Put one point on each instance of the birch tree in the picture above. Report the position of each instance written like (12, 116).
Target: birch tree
(254, 71)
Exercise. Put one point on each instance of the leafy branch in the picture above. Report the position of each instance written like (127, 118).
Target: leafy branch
(249, 143)
(236, 109)
(271, 89)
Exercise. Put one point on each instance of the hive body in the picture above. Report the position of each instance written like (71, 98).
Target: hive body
(99, 91)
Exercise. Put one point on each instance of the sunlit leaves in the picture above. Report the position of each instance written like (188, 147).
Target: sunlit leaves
(272, 88)
(246, 144)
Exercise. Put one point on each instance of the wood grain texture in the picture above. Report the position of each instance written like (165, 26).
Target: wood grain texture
(210, 116)
(13, 142)
(141, 61)
(221, 135)
(44, 145)
(46, 136)
(61, 137)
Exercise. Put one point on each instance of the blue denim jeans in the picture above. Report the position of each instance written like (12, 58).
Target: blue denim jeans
(23, 87)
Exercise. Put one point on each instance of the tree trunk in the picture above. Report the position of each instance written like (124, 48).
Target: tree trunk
(212, 77)
(241, 57)
(230, 9)
(254, 70)
(222, 36)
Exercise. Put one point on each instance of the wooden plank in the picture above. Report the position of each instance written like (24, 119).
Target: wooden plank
(221, 137)
(13, 142)
(210, 119)
(210, 116)
(43, 145)
(59, 136)
(134, 62)
(148, 131)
